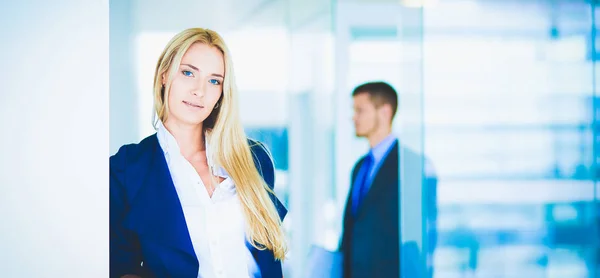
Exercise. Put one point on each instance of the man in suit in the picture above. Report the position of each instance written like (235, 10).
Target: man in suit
(370, 239)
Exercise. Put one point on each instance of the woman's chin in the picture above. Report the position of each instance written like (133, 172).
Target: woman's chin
(189, 120)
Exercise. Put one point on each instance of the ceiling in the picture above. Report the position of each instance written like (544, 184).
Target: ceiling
(445, 16)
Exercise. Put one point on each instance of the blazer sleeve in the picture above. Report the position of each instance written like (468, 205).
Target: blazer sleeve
(125, 254)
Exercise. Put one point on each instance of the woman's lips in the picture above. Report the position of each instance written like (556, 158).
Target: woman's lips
(192, 104)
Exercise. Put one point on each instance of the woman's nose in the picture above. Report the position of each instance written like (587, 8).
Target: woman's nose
(198, 90)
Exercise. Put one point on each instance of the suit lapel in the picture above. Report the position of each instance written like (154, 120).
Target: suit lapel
(384, 176)
(348, 216)
(389, 167)
(156, 213)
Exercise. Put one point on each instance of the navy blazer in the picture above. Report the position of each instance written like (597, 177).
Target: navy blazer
(148, 232)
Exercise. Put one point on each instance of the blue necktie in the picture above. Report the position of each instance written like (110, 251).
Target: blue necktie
(361, 187)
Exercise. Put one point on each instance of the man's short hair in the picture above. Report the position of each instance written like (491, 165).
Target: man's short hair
(380, 93)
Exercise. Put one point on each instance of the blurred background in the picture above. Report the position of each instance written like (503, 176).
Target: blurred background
(501, 95)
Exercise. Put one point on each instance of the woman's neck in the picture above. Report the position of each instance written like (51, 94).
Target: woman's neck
(189, 138)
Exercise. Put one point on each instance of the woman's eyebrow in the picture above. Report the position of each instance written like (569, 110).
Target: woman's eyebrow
(198, 70)
(191, 66)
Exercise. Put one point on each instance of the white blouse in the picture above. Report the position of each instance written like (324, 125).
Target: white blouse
(216, 225)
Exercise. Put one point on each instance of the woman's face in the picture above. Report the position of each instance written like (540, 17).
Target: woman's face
(196, 86)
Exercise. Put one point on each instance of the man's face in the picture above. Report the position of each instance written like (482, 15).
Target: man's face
(365, 118)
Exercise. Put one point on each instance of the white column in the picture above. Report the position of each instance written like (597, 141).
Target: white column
(310, 124)
(301, 185)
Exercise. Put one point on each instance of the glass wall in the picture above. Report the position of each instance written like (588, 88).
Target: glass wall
(509, 119)
(501, 98)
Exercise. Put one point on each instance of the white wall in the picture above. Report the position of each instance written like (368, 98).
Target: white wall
(54, 143)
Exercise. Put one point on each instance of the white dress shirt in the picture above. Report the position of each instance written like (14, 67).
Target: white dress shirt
(216, 225)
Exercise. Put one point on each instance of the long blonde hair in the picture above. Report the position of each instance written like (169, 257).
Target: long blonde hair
(226, 139)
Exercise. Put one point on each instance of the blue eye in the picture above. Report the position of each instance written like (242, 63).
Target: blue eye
(215, 82)
(188, 73)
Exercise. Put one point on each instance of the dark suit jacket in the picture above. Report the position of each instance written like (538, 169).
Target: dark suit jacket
(370, 239)
(147, 224)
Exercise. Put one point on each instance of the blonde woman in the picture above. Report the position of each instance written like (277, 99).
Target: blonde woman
(196, 198)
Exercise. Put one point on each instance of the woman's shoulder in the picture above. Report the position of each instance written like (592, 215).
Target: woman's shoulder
(129, 153)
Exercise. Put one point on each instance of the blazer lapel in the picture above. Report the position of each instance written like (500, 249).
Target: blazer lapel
(156, 213)
(157, 216)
